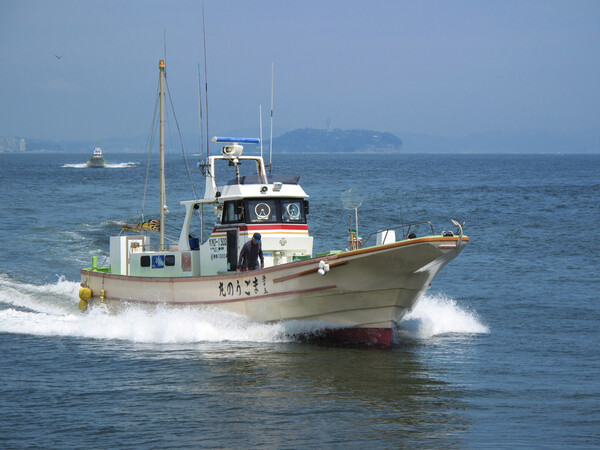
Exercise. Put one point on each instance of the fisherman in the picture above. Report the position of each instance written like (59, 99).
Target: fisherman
(251, 251)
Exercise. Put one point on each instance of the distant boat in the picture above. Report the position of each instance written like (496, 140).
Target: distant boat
(97, 160)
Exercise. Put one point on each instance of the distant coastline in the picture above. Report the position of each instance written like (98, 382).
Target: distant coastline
(311, 140)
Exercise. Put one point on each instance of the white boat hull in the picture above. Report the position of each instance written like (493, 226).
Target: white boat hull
(363, 296)
(96, 162)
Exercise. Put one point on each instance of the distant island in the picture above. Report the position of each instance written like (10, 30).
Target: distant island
(311, 140)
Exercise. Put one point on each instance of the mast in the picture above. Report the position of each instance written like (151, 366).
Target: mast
(161, 94)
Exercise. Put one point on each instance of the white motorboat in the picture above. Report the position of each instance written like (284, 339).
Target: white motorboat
(357, 295)
(97, 159)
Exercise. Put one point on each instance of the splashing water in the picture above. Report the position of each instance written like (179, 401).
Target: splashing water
(58, 298)
(439, 315)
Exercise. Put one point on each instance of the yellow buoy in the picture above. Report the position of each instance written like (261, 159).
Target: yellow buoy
(84, 294)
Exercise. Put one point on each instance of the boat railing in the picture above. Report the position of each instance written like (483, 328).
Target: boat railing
(406, 235)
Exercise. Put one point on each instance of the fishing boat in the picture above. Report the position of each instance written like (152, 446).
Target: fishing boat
(96, 160)
(359, 294)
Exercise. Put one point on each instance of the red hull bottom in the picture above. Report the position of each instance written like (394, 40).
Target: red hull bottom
(373, 336)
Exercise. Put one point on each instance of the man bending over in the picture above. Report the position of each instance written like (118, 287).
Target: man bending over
(251, 251)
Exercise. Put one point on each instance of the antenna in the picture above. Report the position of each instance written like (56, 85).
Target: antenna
(271, 140)
(200, 128)
(205, 79)
(165, 44)
(260, 122)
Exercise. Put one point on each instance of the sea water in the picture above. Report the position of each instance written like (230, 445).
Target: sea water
(502, 351)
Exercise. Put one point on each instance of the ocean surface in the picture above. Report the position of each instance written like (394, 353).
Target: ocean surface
(502, 351)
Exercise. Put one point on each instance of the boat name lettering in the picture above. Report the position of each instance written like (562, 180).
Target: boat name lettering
(249, 287)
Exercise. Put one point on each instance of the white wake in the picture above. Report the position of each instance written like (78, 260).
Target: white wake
(107, 166)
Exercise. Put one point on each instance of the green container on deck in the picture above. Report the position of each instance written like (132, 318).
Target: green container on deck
(330, 252)
(300, 257)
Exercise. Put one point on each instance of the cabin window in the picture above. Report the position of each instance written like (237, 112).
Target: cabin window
(262, 211)
(145, 261)
(233, 212)
(291, 211)
(169, 260)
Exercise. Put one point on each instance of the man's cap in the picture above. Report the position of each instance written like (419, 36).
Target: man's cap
(256, 236)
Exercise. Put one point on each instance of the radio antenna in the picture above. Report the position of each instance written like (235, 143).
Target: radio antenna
(165, 43)
(205, 80)
(260, 124)
(200, 126)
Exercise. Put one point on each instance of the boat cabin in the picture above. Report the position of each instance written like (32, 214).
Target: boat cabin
(274, 206)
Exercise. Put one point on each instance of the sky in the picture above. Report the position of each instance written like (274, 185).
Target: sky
(447, 68)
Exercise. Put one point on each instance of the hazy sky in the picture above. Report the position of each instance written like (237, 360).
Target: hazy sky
(436, 67)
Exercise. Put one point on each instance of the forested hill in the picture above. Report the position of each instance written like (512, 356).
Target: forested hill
(310, 140)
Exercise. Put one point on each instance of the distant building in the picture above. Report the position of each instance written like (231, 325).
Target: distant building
(8, 144)
(22, 145)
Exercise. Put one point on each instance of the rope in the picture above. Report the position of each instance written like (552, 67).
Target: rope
(181, 140)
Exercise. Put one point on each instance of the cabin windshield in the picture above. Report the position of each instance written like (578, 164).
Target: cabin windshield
(264, 210)
(233, 212)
